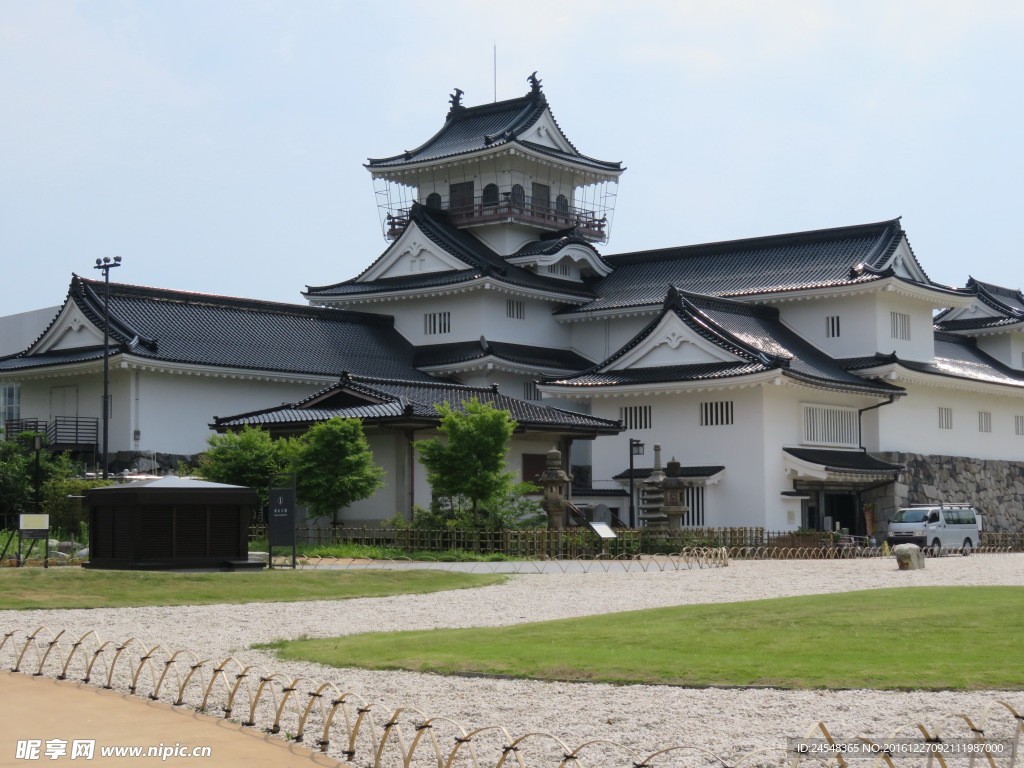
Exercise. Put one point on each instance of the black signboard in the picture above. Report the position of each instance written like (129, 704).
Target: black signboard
(281, 525)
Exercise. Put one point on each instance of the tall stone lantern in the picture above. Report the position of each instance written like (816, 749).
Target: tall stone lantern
(672, 489)
(553, 481)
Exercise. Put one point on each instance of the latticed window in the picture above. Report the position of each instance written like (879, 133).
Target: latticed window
(984, 421)
(945, 418)
(1018, 425)
(437, 322)
(900, 322)
(831, 425)
(716, 413)
(832, 326)
(10, 402)
(515, 309)
(530, 391)
(635, 416)
(561, 268)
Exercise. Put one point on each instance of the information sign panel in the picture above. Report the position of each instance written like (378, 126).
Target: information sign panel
(603, 530)
(34, 526)
(281, 524)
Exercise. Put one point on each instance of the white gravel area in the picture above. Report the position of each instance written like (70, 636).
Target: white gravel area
(646, 718)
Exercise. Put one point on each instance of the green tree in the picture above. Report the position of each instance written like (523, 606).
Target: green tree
(247, 457)
(18, 473)
(466, 470)
(334, 467)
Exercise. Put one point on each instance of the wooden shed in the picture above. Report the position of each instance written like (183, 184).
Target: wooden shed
(170, 523)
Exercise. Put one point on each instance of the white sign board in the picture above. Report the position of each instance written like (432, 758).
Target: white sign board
(603, 530)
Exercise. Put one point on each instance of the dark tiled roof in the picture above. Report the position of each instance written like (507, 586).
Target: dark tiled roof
(586, 493)
(1008, 303)
(642, 473)
(480, 260)
(471, 129)
(552, 242)
(848, 462)
(820, 258)
(193, 328)
(955, 357)
(753, 334)
(524, 354)
(376, 399)
(61, 357)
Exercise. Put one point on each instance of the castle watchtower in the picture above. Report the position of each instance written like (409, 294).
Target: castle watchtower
(504, 170)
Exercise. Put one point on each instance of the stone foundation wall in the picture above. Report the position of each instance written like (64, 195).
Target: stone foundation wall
(994, 488)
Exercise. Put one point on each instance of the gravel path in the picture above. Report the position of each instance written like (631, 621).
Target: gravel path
(647, 718)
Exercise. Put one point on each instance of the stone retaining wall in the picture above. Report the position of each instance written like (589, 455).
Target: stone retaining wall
(995, 488)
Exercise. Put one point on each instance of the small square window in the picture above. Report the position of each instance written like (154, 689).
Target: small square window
(945, 418)
(984, 421)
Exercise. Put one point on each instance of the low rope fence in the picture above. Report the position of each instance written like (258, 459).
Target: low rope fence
(344, 723)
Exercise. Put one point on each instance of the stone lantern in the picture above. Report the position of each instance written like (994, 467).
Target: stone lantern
(553, 481)
(672, 488)
(651, 513)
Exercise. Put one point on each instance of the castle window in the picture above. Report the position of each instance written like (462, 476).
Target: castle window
(561, 268)
(518, 194)
(831, 425)
(717, 413)
(541, 197)
(832, 326)
(530, 391)
(635, 416)
(1018, 425)
(900, 324)
(515, 309)
(460, 196)
(490, 194)
(434, 201)
(437, 322)
(945, 418)
(10, 403)
(562, 206)
(984, 421)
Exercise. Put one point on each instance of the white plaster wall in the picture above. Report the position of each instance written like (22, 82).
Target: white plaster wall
(389, 453)
(911, 424)
(857, 322)
(921, 346)
(598, 339)
(1007, 348)
(475, 314)
(737, 500)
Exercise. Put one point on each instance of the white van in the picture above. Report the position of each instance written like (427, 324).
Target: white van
(939, 526)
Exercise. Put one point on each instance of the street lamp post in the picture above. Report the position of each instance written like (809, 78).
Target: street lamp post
(105, 265)
(636, 448)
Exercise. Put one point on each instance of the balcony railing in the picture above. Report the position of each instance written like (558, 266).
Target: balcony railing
(64, 432)
(526, 210)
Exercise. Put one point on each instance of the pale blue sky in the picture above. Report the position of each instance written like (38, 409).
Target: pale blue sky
(217, 145)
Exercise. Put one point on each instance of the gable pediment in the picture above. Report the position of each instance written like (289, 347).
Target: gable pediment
(547, 133)
(71, 330)
(673, 342)
(904, 263)
(412, 254)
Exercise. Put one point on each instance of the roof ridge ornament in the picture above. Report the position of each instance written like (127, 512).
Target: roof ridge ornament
(534, 83)
(456, 102)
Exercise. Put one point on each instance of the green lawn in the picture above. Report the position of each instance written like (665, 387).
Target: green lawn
(925, 637)
(27, 588)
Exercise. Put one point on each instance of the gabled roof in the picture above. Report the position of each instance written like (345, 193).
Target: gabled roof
(956, 357)
(434, 355)
(823, 258)
(378, 400)
(488, 126)
(1002, 308)
(177, 327)
(480, 262)
(752, 340)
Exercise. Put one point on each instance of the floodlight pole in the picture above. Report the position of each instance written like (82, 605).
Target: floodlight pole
(105, 265)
